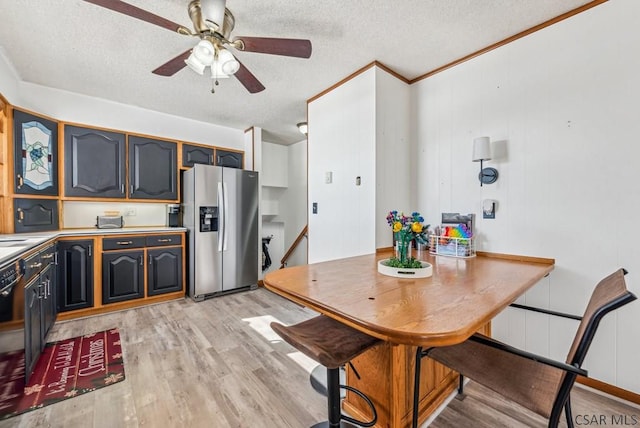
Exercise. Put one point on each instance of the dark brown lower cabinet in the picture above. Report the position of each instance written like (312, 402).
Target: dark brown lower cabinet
(32, 325)
(122, 276)
(164, 274)
(75, 275)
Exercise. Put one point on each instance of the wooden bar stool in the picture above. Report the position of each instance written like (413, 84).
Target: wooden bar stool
(332, 344)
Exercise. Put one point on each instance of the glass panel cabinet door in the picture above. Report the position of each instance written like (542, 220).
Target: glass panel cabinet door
(35, 154)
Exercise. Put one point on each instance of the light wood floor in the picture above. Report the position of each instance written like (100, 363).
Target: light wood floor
(218, 364)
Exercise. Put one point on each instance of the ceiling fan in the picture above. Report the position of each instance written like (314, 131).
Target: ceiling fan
(213, 24)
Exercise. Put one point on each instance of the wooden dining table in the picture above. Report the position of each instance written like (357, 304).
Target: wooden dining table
(460, 298)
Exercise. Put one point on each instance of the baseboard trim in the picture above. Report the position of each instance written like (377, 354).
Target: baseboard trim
(610, 389)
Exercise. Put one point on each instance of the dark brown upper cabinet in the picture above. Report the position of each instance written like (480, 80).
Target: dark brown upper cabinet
(229, 159)
(192, 155)
(153, 169)
(35, 215)
(35, 144)
(94, 163)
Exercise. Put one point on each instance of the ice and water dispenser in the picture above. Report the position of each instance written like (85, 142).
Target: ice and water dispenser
(208, 219)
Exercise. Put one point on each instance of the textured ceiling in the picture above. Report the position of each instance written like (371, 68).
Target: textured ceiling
(83, 48)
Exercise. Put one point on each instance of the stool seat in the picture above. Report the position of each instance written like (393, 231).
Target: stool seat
(325, 340)
(332, 344)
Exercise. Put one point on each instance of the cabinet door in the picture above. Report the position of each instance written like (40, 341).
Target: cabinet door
(192, 155)
(32, 328)
(94, 163)
(49, 303)
(229, 159)
(122, 276)
(164, 273)
(35, 143)
(75, 275)
(35, 215)
(152, 169)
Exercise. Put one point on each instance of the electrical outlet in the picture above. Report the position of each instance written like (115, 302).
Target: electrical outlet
(130, 212)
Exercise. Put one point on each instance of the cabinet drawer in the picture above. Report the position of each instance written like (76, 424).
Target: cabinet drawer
(122, 243)
(33, 265)
(164, 240)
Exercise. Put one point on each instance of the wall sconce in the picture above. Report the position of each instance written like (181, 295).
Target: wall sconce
(302, 127)
(482, 152)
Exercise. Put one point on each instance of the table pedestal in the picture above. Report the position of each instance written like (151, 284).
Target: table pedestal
(386, 373)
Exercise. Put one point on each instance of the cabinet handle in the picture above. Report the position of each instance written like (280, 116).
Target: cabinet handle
(20, 215)
(35, 265)
(20, 181)
(55, 260)
(131, 190)
(164, 240)
(41, 290)
(122, 188)
(47, 256)
(141, 258)
(7, 290)
(211, 159)
(124, 242)
(150, 259)
(90, 250)
(48, 287)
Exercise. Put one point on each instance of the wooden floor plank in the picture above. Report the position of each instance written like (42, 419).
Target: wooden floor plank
(217, 364)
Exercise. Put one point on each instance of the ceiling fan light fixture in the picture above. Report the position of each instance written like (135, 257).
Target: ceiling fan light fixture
(216, 71)
(204, 52)
(195, 64)
(213, 13)
(228, 63)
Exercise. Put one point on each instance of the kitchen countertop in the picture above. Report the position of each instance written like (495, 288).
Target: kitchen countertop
(13, 245)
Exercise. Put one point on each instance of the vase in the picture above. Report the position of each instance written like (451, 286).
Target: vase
(403, 251)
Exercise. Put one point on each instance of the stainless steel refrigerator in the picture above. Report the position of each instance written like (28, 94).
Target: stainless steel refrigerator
(220, 211)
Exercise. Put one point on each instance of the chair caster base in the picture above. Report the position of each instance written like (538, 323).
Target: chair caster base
(325, 424)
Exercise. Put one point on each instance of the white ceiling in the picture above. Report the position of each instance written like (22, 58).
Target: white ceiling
(84, 48)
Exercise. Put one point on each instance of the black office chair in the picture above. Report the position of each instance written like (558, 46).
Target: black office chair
(537, 383)
(332, 344)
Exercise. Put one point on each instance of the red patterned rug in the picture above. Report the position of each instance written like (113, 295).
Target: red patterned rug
(66, 369)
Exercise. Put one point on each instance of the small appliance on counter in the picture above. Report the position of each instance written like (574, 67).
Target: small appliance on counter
(173, 215)
(109, 221)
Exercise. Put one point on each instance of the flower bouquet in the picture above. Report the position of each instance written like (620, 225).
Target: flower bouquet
(406, 229)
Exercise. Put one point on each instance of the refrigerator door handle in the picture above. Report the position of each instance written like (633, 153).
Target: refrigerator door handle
(225, 201)
(221, 215)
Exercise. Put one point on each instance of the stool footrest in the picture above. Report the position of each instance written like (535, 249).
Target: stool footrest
(373, 420)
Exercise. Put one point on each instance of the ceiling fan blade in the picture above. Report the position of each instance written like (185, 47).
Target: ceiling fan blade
(136, 12)
(287, 47)
(174, 65)
(248, 80)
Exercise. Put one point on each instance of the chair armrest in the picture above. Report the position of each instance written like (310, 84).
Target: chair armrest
(528, 355)
(546, 311)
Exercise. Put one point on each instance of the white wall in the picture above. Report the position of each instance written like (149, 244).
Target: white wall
(342, 136)
(72, 107)
(561, 105)
(294, 202)
(393, 152)
(8, 79)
